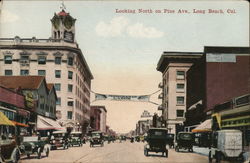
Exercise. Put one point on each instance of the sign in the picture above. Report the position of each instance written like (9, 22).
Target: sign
(142, 98)
(220, 57)
(29, 99)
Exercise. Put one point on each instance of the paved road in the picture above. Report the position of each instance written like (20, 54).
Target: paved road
(115, 152)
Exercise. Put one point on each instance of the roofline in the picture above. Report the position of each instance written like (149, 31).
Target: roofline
(39, 47)
(226, 49)
(99, 106)
(172, 54)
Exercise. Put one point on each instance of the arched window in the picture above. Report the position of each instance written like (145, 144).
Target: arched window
(58, 34)
(55, 35)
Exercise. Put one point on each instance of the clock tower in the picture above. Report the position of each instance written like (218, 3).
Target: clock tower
(63, 27)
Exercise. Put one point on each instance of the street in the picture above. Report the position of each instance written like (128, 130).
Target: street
(115, 152)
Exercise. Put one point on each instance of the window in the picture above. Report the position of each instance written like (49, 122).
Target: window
(41, 60)
(70, 75)
(8, 59)
(58, 102)
(8, 73)
(69, 116)
(180, 75)
(42, 72)
(58, 87)
(180, 100)
(24, 57)
(58, 73)
(70, 87)
(24, 72)
(58, 60)
(70, 61)
(179, 113)
(180, 87)
(70, 103)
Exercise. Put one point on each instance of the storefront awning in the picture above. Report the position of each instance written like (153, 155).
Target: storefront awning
(20, 124)
(44, 123)
(5, 121)
(204, 126)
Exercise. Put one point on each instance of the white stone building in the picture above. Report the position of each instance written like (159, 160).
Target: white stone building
(174, 66)
(61, 61)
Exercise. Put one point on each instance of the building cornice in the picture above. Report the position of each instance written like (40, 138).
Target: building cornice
(176, 57)
(50, 47)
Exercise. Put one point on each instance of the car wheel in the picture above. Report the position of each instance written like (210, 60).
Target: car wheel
(218, 157)
(16, 157)
(39, 153)
(146, 152)
(190, 149)
(177, 149)
(210, 159)
(166, 153)
(47, 152)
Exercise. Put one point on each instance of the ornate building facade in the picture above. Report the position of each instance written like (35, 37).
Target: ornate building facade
(61, 61)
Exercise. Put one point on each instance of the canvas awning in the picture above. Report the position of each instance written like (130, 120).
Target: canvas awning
(204, 126)
(5, 121)
(44, 123)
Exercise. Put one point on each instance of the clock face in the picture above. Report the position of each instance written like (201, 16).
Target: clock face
(68, 36)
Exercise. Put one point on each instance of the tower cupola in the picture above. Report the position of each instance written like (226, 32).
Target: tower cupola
(63, 27)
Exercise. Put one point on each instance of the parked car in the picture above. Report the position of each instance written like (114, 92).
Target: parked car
(226, 145)
(96, 138)
(9, 151)
(184, 140)
(33, 145)
(156, 141)
(75, 139)
(59, 139)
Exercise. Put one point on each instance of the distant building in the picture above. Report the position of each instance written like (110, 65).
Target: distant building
(173, 66)
(98, 115)
(95, 118)
(61, 61)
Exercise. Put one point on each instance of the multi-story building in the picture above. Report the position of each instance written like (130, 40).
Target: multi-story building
(221, 74)
(61, 61)
(174, 66)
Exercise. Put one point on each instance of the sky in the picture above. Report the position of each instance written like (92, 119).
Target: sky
(123, 49)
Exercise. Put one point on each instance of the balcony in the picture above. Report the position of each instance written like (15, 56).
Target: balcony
(160, 107)
(160, 96)
(160, 85)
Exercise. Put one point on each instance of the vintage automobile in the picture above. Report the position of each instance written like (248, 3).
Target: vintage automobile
(170, 140)
(34, 145)
(156, 141)
(226, 145)
(96, 138)
(184, 140)
(59, 139)
(75, 138)
(9, 151)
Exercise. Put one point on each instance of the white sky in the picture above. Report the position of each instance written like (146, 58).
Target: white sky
(122, 50)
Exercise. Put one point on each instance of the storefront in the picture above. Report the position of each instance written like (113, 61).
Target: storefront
(203, 133)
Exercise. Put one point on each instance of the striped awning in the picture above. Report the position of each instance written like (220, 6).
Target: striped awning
(204, 126)
(44, 123)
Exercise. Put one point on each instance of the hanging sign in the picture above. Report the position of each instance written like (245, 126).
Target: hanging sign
(142, 98)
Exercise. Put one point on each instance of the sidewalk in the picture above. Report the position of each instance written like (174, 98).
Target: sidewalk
(204, 151)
